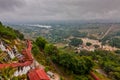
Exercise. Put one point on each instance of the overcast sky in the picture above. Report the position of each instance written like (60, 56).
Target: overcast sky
(44, 10)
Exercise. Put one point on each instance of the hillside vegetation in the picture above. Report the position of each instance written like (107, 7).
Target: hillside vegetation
(10, 43)
(9, 33)
(79, 65)
(71, 64)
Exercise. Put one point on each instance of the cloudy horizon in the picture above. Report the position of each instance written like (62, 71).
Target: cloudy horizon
(55, 10)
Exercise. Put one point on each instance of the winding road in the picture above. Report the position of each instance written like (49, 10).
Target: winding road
(106, 33)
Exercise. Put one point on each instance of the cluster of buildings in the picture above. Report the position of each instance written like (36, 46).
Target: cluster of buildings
(95, 44)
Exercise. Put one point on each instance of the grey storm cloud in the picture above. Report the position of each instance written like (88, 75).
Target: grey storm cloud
(38, 10)
(10, 5)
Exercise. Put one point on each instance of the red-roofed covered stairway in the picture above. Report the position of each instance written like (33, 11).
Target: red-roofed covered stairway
(34, 74)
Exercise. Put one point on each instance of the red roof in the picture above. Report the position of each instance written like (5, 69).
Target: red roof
(38, 74)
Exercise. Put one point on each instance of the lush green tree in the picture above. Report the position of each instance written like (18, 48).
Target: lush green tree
(50, 49)
(78, 65)
(79, 34)
(88, 44)
(35, 49)
(84, 65)
(76, 42)
(41, 42)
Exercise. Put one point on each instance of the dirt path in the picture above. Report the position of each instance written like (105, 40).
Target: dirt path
(57, 76)
(101, 72)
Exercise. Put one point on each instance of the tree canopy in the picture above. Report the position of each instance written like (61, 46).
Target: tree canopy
(50, 49)
(76, 42)
(41, 42)
(78, 65)
(88, 44)
(108, 61)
